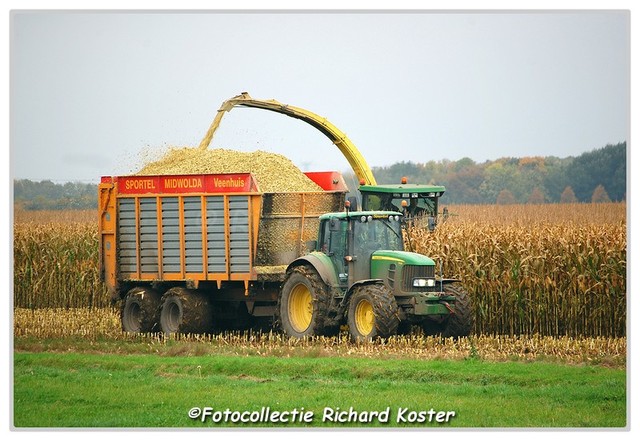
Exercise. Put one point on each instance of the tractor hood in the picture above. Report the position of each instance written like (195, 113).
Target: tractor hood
(400, 257)
(401, 270)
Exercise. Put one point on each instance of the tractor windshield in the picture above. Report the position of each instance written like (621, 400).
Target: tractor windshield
(418, 204)
(377, 233)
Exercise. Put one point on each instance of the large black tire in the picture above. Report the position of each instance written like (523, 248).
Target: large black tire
(186, 311)
(304, 303)
(373, 313)
(460, 323)
(140, 310)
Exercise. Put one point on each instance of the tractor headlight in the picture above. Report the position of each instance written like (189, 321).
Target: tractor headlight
(421, 283)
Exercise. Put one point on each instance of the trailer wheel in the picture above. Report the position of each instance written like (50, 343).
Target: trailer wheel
(373, 312)
(304, 303)
(185, 311)
(140, 310)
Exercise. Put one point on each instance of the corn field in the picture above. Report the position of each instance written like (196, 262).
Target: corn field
(549, 270)
(546, 269)
(56, 265)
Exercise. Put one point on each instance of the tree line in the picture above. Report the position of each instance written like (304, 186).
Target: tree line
(596, 176)
(47, 195)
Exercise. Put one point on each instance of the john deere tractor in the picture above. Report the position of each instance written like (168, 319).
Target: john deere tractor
(360, 275)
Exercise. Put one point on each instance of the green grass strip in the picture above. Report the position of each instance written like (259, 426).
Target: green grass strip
(126, 391)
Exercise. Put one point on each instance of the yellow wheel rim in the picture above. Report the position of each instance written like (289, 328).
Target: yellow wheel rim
(300, 308)
(364, 317)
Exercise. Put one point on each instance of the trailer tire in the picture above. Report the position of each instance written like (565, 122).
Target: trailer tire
(460, 323)
(140, 310)
(185, 311)
(373, 313)
(304, 303)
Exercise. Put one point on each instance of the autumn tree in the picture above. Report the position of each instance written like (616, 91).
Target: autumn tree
(536, 197)
(505, 197)
(568, 196)
(600, 195)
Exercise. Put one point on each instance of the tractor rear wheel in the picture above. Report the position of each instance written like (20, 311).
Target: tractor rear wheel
(140, 310)
(373, 312)
(185, 311)
(304, 303)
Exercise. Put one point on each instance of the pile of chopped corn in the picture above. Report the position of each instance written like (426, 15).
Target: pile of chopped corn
(273, 172)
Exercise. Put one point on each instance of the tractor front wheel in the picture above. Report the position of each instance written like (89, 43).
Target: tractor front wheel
(373, 312)
(460, 322)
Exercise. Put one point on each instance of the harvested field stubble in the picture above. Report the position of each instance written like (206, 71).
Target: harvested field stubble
(95, 325)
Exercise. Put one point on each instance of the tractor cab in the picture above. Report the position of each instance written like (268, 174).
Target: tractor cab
(351, 238)
(418, 203)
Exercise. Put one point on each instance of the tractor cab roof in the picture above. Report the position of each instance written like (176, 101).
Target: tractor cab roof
(401, 189)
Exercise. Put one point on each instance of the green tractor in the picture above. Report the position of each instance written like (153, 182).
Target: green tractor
(358, 274)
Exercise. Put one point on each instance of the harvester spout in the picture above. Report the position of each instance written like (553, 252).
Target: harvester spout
(344, 144)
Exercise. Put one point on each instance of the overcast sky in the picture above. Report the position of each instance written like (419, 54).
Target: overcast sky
(93, 93)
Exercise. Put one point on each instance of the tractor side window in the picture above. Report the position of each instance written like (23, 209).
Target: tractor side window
(325, 237)
(337, 236)
(337, 245)
(374, 202)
